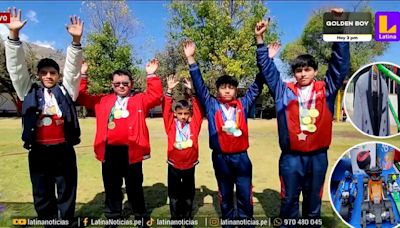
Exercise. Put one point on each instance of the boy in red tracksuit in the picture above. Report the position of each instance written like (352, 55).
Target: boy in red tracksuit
(122, 137)
(182, 126)
(304, 115)
(229, 138)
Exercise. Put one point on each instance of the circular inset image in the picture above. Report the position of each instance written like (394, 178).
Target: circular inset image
(371, 99)
(365, 186)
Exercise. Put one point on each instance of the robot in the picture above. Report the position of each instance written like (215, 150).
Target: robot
(347, 191)
(394, 189)
(376, 207)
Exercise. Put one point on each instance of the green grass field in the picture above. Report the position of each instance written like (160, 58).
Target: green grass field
(15, 186)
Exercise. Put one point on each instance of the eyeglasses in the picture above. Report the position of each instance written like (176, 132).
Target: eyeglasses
(118, 84)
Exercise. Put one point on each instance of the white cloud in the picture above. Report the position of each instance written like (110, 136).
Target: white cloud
(45, 43)
(4, 32)
(23, 37)
(31, 15)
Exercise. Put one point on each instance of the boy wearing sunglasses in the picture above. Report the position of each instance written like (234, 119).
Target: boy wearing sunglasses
(122, 138)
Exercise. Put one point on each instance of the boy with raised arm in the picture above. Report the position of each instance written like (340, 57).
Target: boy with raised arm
(182, 125)
(122, 137)
(50, 123)
(229, 137)
(304, 114)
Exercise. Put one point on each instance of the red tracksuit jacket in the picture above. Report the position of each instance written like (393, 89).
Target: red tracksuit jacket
(186, 158)
(138, 107)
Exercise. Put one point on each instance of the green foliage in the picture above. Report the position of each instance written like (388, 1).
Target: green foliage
(104, 55)
(224, 35)
(311, 42)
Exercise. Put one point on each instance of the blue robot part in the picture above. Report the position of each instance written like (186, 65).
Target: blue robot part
(346, 192)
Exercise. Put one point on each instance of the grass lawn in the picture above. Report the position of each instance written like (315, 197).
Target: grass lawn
(15, 186)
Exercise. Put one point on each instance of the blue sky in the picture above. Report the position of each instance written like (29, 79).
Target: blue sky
(47, 19)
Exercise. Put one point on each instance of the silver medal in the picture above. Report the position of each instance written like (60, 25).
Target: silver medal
(125, 114)
(47, 121)
(230, 124)
(237, 133)
(304, 112)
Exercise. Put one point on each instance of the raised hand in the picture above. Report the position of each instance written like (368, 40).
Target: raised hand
(171, 83)
(84, 67)
(273, 49)
(337, 11)
(189, 47)
(152, 66)
(16, 23)
(75, 29)
(187, 83)
(261, 27)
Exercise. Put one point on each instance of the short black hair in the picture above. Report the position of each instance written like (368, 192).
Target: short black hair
(182, 104)
(46, 62)
(121, 72)
(305, 60)
(226, 79)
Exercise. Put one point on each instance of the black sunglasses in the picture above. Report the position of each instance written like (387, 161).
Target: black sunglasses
(118, 84)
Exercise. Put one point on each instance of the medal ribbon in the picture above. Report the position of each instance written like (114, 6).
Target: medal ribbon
(307, 104)
(50, 101)
(309, 101)
(121, 103)
(229, 114)
(111, 116)
(183, 133)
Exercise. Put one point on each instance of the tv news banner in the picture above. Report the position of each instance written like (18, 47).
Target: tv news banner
(357, 27)
(4, 17)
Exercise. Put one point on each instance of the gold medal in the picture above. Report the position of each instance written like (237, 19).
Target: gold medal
(117, 114)
(189, 143)
(311, 128)
(184, 145)
(111, 125)
(314, 113)
(306, 120)
(53, 110)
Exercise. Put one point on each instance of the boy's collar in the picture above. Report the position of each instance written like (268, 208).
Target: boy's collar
(310, 85)
(230, 103)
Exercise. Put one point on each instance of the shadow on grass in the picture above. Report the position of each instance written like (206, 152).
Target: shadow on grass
(155, 196)
(270, 202)
(156, 203)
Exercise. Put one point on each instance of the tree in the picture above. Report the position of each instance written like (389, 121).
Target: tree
(104, 55)
(173, 61)
(5, 81)
(116, 13)
(311, 42)
(224, 35)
